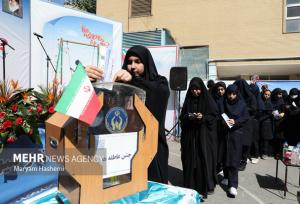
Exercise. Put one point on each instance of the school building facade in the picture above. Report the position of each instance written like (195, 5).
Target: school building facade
(220, 39)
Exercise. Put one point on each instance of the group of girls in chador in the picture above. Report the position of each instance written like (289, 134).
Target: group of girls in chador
(226, 127)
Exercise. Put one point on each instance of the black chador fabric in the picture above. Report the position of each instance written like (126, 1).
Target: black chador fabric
(254, 89)
(236, 110)
(278, 123)
(219, 99)
(265, 117)
(220, 127)
(247, 95)
(292, 117)
(198, 139)
(251, 104)
(278, 105)
(157, 94)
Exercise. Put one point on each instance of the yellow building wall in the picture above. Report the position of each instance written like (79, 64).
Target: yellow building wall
(231, 28)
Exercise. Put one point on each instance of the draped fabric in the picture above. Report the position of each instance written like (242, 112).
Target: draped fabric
(220, 127)
(219, 99)
(247, 95)
(198, 139)
(278, 123)
(265, 117)
(278, 103)
(251, 103)
(254, 89)
(157, 94)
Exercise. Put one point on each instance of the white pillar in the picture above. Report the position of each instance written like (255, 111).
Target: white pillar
(212, 71)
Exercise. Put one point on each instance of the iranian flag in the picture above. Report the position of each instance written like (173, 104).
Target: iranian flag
(79, 99)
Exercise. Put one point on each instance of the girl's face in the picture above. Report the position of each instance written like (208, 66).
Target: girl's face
(135, 66)
(220, 91)
(196, 92)
(267, 94)
(279, 95)
(231, 96)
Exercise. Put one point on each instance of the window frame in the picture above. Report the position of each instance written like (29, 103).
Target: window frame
(286, 18)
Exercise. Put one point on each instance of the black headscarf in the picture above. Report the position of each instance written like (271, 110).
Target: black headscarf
(293, 92)
(263, 103)
(234, 109)
(277, 103)
(145, 56)
(285, 95)
(214, 92)
(203, 103)
(219, 99)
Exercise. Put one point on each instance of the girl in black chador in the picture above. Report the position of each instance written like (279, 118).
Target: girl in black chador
(139, 70)
(292, 110)
(251, 135)
(236, 110)
(218, 92)
(265, 119)
(198, 137)
(278, 113)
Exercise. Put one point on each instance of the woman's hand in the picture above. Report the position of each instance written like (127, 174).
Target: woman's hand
(94, 73)
(123, 76)
(199, 116)
(231, 122)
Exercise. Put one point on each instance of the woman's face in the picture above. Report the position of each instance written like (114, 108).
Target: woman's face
(135, 66)
(196, 92)
(231, 96)
(220, 91)
(267, 94)
(279, 95)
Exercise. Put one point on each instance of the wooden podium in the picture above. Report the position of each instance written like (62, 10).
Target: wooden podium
(83, 182)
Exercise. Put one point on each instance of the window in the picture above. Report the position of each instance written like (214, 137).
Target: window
(140, 8)
(194, 58)
(292, 16)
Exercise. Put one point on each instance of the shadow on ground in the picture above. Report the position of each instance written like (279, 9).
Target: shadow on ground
(175, 176)
(269, 182)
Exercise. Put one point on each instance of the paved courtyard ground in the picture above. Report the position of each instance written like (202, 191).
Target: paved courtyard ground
(256, 184)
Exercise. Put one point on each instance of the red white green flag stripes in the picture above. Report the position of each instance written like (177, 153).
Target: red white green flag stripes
(79, 99)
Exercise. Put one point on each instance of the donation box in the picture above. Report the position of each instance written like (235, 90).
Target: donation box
(107, 160)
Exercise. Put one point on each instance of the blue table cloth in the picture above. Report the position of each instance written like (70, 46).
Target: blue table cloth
(162, 194)
(156, 193)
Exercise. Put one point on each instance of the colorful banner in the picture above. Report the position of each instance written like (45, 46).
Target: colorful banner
(69, 39)
(15, 29)
(68, 36)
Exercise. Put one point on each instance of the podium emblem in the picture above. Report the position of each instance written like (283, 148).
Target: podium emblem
(116, 120)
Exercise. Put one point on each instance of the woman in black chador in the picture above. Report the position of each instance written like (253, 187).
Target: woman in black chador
(139, 70)
(236, 110)
(198, 124)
